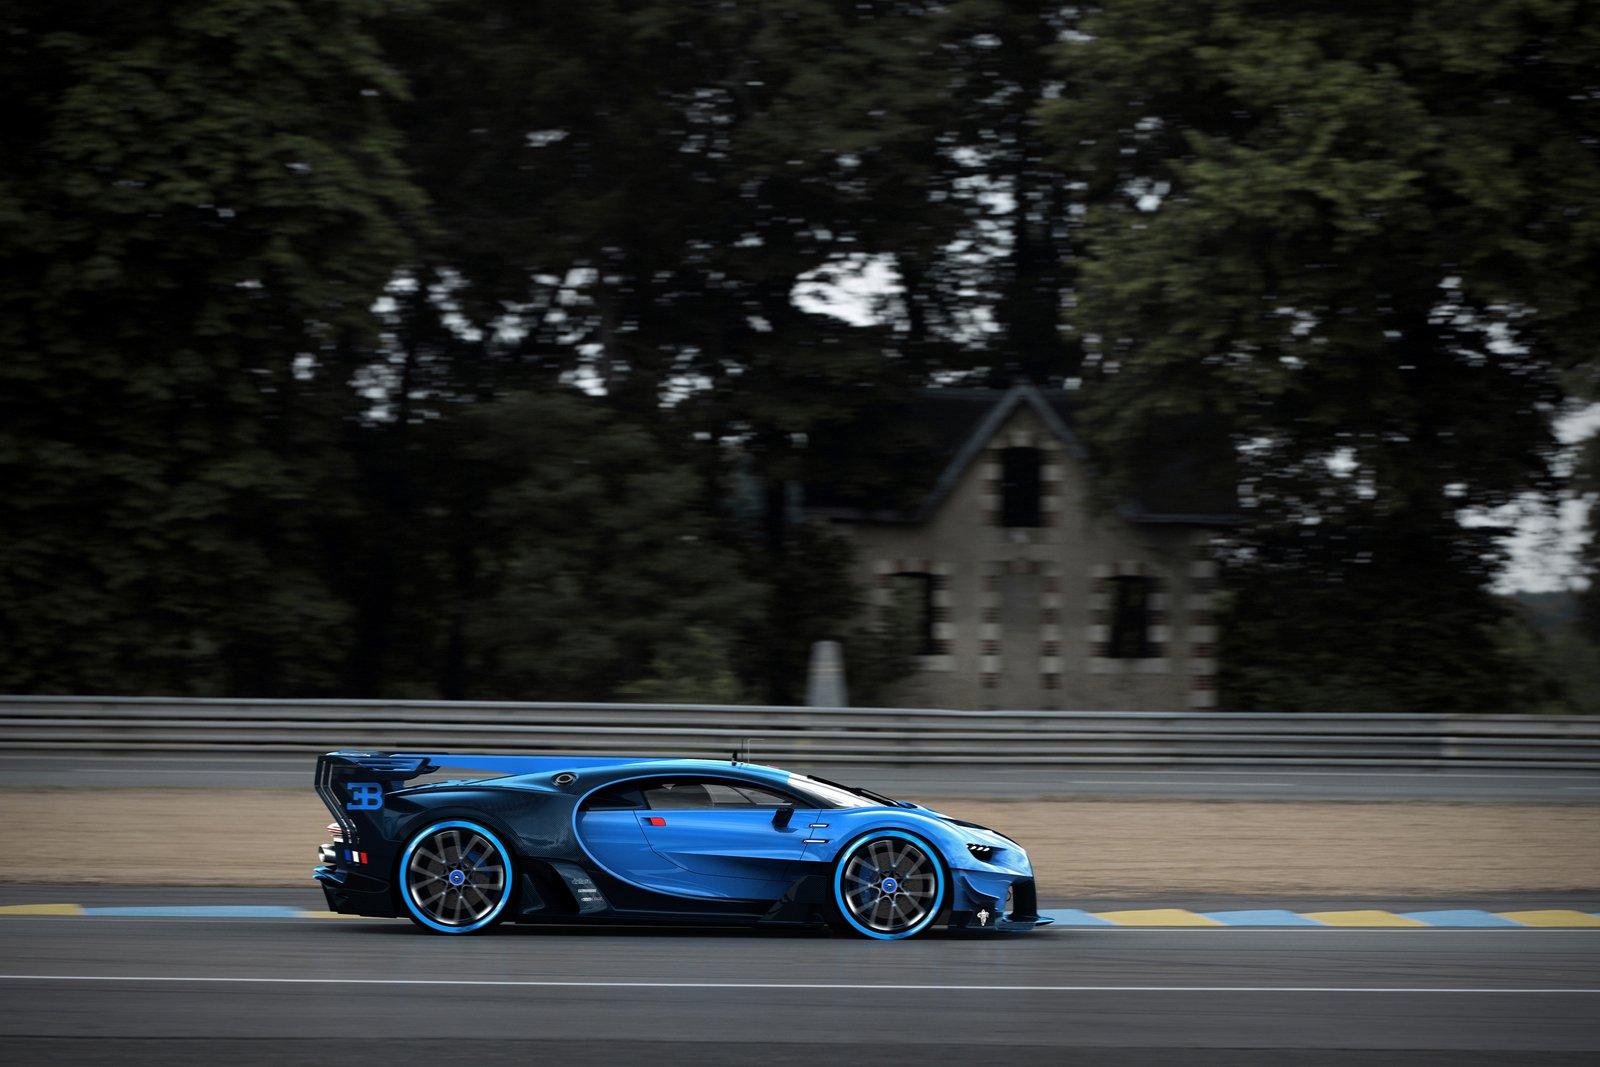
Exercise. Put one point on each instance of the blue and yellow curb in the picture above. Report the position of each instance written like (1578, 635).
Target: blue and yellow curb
(1364, 918)
(1170, 918)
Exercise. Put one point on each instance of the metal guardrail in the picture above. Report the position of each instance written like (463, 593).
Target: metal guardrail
(799, 734)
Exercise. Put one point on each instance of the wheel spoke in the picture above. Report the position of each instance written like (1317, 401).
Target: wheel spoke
(482, 896)
(478, 851)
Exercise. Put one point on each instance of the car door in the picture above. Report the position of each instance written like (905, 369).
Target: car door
(609, 828)
(729, 837)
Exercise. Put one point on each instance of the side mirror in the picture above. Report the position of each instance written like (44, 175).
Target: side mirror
(781, 817)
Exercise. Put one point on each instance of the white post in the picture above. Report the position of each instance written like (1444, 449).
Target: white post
(825, 686)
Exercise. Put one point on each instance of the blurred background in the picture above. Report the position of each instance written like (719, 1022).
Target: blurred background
(1132, 354)
(1015, 383)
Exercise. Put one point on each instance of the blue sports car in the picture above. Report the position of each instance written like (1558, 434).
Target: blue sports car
(578, 839)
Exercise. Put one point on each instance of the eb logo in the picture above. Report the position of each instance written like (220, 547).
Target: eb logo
(365, 796)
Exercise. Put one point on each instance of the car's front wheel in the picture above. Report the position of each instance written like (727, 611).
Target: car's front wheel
(888, 884)
(455, 878)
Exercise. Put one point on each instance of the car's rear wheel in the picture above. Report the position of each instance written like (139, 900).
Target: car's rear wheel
(888, 885)
(455, 878)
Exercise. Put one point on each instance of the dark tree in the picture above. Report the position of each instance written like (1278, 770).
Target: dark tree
(200, 202)
(1360, 237)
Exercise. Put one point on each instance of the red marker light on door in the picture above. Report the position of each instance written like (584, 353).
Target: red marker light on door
(655, 820)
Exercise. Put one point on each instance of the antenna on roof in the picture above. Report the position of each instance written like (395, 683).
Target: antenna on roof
(742, 754)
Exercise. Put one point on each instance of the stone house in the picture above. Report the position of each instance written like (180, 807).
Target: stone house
(1029, 590)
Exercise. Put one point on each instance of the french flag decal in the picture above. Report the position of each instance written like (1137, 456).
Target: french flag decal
(355, 857)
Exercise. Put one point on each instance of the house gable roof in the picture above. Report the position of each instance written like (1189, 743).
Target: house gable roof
(978, 440)
(1171, 484)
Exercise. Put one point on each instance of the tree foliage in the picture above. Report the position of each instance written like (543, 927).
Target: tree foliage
(474, 348)
(197, 207)
(1359, 237)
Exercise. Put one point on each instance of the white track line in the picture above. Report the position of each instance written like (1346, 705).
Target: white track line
(1056, 929)
(1231, 785)
(910, 987)
(1440, 775)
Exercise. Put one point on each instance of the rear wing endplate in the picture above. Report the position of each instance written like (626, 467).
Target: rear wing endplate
(380, 770)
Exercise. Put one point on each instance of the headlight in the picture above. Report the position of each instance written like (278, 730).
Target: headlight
(983, 852)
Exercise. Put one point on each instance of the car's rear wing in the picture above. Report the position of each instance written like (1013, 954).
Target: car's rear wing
(349, 781)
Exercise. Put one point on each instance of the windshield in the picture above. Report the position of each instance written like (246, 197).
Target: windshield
(839, 796)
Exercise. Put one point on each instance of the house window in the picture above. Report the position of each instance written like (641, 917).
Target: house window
(912, 593)
(1020, 487)
(1130, 618)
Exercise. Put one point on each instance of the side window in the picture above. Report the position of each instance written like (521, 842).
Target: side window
(676, 795)
(624, 797)
(691, 793)
(1130, 618)
(756, 797)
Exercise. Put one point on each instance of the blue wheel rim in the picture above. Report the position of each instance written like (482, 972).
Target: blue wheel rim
(455, 877)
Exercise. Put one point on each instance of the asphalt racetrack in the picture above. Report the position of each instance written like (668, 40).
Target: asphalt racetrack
(104, 989)
(139, 990)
